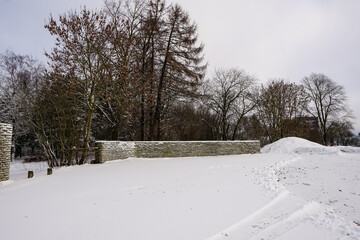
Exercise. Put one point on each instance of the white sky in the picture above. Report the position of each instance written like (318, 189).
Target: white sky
(269, 39)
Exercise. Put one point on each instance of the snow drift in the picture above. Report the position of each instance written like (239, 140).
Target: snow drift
(303, 146)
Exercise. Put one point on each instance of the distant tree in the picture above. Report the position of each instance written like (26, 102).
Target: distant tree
(328, 102)
(354, 141)
(20, 76)
(229, 94)
(189, 121)
(341, 133)
(279, 104)
(303, 127)
(252, 128)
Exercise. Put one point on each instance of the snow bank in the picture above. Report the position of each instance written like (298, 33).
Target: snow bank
(301, 146)
(296, 145)
(348, 149)
(17, 167)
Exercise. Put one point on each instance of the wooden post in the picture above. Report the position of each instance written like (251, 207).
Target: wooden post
(30, 174)
(49, 171)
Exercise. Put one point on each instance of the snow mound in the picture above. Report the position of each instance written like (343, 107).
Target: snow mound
(303, 146)
(295, 145)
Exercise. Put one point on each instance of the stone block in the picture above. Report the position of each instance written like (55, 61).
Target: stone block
(5, 150)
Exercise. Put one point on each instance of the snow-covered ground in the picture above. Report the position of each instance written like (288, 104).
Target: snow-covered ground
(294, 189)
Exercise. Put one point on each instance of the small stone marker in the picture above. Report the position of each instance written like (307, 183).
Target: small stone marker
(49, 171)
(30, 174)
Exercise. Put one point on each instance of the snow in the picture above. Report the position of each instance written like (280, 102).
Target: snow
(19, 169)
(293, 145)
(295, 189)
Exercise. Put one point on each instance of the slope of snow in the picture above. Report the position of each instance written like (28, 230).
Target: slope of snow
(302, 146)
(293, 145)
(294, 190)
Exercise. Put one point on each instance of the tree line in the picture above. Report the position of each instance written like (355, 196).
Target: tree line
(135, 70)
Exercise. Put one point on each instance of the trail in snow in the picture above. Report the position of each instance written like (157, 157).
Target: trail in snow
(313, 212)
(290, 212)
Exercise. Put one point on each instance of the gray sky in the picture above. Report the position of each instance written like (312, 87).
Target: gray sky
(269, 39)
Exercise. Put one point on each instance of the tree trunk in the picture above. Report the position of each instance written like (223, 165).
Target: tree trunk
(115, 133)
(87, 131)
(324, 137)
(142, 118)
(160, 87)
(236, 128)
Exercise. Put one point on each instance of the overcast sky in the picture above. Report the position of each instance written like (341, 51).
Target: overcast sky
(269, 39)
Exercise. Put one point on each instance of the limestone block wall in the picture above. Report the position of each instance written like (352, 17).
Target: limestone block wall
(5, 150)
(112, 150)
(108, 150)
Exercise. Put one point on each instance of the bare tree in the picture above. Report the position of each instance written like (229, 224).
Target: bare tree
(340, 132)
(20, 76)
(82, 49)
(230, 97)
(57, 119)
(252, 128)
(131, 61)
(328, 102)
(127, 18)
(279, 104)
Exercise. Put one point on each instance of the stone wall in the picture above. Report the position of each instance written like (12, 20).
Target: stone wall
(5, 150)
(108, 150)
(112, 150)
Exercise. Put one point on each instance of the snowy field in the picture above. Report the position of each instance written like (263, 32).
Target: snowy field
(294, 189)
